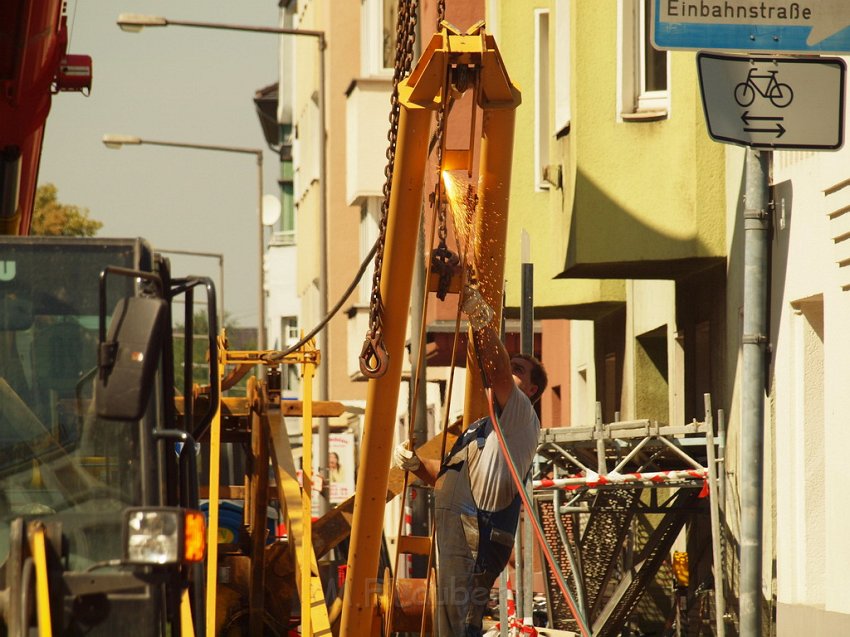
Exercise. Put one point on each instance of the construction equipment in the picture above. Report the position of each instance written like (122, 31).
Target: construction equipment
(34, 65)
(452, 62)
(98, 475)
(101, 526)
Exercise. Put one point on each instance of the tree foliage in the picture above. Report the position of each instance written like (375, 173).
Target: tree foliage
(200, 350)
(51, 217)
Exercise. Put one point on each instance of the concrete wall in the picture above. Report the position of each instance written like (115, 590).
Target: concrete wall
(810, 309)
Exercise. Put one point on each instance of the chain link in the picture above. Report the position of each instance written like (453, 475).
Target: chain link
(374, 355)
(442, 258)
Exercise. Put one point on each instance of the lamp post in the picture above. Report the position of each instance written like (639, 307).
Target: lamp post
(117, 141)
(134, 22)
(211, 255)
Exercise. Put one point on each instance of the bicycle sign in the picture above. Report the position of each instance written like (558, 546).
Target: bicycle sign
(773, 102)
(779, 94)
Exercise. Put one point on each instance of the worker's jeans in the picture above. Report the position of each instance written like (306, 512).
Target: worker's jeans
(473, 550)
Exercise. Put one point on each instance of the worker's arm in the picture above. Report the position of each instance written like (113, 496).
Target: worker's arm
(495, 361)
(490, 351)
(428, 470)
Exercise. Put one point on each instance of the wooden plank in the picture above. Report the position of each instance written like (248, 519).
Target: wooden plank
(414, 544)
(321, 408)
(238, 407)
(333, 527)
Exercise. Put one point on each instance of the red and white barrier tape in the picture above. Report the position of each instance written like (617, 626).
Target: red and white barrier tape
(592, 479)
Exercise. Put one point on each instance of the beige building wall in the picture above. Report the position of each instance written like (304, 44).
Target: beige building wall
(806, 517)
(339, 21)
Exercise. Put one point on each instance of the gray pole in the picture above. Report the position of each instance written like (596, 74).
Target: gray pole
(324, 372)
(754, 342)
(418, 408)
(526, 594)
(261, 317)
(714, 513)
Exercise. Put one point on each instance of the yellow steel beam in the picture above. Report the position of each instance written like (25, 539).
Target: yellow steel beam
(257, 507)
(42, 588)
(187, 625)
(212, 532)
(358, 608)
(497, 138)
(307, 501)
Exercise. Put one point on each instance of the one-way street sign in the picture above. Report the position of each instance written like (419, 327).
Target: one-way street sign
(773, 103)
(752, 26)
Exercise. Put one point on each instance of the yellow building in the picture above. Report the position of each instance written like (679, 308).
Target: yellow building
(623, 196)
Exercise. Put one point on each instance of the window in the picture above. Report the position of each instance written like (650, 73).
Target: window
(370, 214)
(378, 20)
(289, 330)
(643, 70)
(290, 334)
(542, 132)
(563, 68)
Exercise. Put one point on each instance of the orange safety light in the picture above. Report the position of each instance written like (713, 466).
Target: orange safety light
(194, 537)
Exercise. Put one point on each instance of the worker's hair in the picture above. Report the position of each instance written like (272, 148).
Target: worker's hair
(538, 374)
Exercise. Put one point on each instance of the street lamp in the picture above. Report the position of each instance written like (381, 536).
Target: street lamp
(117, 141)
(134, 22)
(211, 255)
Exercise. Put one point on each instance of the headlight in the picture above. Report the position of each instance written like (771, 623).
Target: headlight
(163, 536)
(153, 537)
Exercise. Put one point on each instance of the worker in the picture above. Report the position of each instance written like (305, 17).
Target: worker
(476, 502)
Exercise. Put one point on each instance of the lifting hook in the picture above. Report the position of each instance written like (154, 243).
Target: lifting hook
(374, 357)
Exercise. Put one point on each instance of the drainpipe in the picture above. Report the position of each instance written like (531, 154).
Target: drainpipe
(754, 349)
(525, 539)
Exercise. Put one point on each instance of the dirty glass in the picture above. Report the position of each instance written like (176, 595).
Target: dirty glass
(57, 460)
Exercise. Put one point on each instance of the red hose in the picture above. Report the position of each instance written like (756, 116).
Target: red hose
(538, 531)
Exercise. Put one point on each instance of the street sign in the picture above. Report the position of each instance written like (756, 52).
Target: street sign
(773, 103)
(752, 26)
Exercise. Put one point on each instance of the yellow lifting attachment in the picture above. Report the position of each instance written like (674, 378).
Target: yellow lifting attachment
(457, 60)
(268, 443)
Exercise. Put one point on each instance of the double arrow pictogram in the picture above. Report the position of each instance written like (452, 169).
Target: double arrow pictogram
(777, 128)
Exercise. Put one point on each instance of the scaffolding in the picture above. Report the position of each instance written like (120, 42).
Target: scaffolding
(592, 485)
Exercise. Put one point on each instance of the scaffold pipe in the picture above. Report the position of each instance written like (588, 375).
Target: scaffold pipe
(595, 480)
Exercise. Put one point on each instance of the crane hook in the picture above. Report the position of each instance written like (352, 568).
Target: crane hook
(374, 358)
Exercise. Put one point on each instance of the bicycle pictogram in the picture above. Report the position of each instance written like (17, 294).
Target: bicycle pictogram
(766, 85)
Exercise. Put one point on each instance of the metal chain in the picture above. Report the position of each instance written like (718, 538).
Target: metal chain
(373, 357)
(443, 261)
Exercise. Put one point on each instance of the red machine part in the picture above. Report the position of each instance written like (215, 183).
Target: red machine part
(33, 65)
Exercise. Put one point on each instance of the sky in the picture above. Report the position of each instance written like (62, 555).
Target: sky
(175, 84)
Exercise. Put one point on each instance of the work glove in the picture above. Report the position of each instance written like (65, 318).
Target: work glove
(405, 459)
(476, 308)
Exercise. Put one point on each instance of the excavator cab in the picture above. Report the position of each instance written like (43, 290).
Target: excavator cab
(100, 527)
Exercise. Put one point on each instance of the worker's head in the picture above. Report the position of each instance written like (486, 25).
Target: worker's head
(529, 375)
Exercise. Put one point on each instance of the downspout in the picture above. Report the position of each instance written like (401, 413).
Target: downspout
(754, 347)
